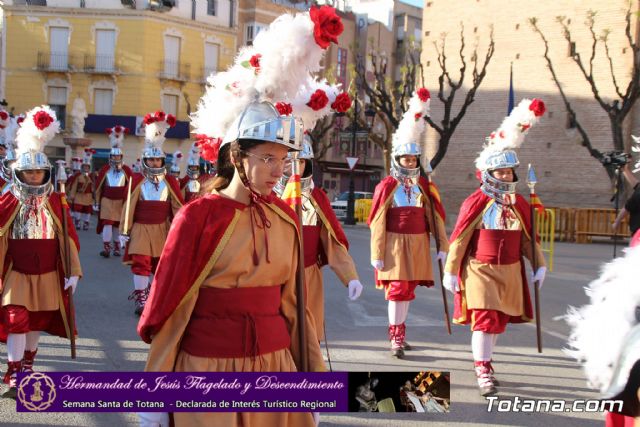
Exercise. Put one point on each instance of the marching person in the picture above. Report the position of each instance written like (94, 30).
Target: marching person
(149, 209)
(35, 298)
(82, 192)
(401, 223)
(191, 183)
(485, 267)
(324, 240)
(175, 166)
(240, 285)
(111, 192)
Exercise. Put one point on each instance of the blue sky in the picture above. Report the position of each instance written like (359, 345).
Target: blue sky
(418, 3)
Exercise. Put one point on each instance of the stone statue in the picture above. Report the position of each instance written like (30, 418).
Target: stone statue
(78, 114)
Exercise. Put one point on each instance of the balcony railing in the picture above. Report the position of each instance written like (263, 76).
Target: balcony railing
(173, 70)
(101, 64)
(55, 61)
(206, 72)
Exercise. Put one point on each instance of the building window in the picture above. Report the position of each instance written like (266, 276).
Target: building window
(171, 56)
(103, 101)
(211, 7)
(211, 54)
(59, 48)
(170, 104)
(105, 49)
(57, 100)
(251, 32)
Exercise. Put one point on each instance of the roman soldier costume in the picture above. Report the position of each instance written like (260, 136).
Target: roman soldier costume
(111, 192)
(239, 287)
(35, 290)
(401, 223)
(150, 207)
(192, 182)
(485, 267)
(82, 192)
(175, 166)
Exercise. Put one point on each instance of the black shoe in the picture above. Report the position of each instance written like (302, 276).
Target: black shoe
(398, 353)
(488, 391)
(11, 393)
(104, 254)
(406, 346)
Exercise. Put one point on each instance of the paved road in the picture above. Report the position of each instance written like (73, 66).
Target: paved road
(357, 337)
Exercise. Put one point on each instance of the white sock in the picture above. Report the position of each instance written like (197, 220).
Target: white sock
(16, 344)
(116, 235)
(395, 312)
(493, 344)
(140, 282)
(32, 340)
(107, 233)
(481, 346)
(405, 310)
(86, 217)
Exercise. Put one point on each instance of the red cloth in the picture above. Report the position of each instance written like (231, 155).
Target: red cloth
(400, 290)
(143, 265)
(312, 244)
(77, 207)
(2, 182)
(237, 322)
(332, 224)
(385, 189)
(489, 321)
(51, 323)
(19, 320)
(618, 420)
(195, 233)
(406, 220)
(152, 212)
(102, 174)
(496, 246)
(635, 240)
(115, 193)
(33, 256)
(183, 181)
(71, 179)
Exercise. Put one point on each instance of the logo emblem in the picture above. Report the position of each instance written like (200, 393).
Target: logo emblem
(37, 392)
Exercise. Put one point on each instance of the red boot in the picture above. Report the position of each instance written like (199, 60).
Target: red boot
(397, 336)
(107, 250)
(116, 249)
(10, 378)
(485, 382)
(27, 361)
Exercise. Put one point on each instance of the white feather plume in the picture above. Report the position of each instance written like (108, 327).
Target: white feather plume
(177, 159)
(116, 139)
(510, 135)
(154, 134)
(307, 114)
(410, 129)
(10, 132)
(600, 327)
(636, 148)
(30, 138)
(194, 154)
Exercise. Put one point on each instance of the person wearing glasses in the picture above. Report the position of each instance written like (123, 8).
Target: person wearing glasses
(149, 209)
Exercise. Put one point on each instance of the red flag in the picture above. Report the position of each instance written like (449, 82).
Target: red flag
(292, 194)
(537, 203)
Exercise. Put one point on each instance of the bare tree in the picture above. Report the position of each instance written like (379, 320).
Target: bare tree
(319, 136)
(449, 86)
(620, 105)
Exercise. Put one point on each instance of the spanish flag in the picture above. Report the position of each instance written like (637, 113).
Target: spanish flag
(292, 194)
(537, 203)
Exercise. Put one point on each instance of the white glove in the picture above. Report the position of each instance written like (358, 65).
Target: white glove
(123, 240)
(441, 256)
(96, 207)
(378, 264)
(154, 419)
(539, 276)
(71, 282)
(450, 282)
(355, 289)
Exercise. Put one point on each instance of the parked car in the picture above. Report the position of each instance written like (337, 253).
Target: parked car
(339, 205)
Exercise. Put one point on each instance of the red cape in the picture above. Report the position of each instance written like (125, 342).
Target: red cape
(183, 181)
(103, 173)
(70, 179)
(8, 207)
(471, 208)
(328, 217)
(2, 182)
(385, 189)
(195, 233)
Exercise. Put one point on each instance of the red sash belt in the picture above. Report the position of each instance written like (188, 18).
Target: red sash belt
(114, 193)
(33, 256)
(152, 212)
(188, 195)
(496, 246)
(236, 322)
(407, 220)
(311, 235)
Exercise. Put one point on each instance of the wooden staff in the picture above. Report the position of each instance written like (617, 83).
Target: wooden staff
(300, 279)
(436, 236)
(126, 209)
(531, 182)
(61, 177)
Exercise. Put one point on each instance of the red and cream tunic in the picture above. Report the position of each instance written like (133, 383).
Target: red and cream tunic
(81, 192)
(486, 252)
(197, 317)
(191, 187)
(150, 213)
(111, 192)
(32, 251)
(324, 243)
(400, 234)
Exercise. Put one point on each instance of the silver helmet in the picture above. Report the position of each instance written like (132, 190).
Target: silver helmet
(306, 180)
(261, 121)
(501, 191)
(115, 162)
(153, 174)
(399, 172)
(7, 161)
(175, 165)
(116, 137)
(193, 162)
(31, 160)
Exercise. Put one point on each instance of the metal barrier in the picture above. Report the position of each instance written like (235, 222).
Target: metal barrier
(546, 229)
(581, 224)
(362, 209)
